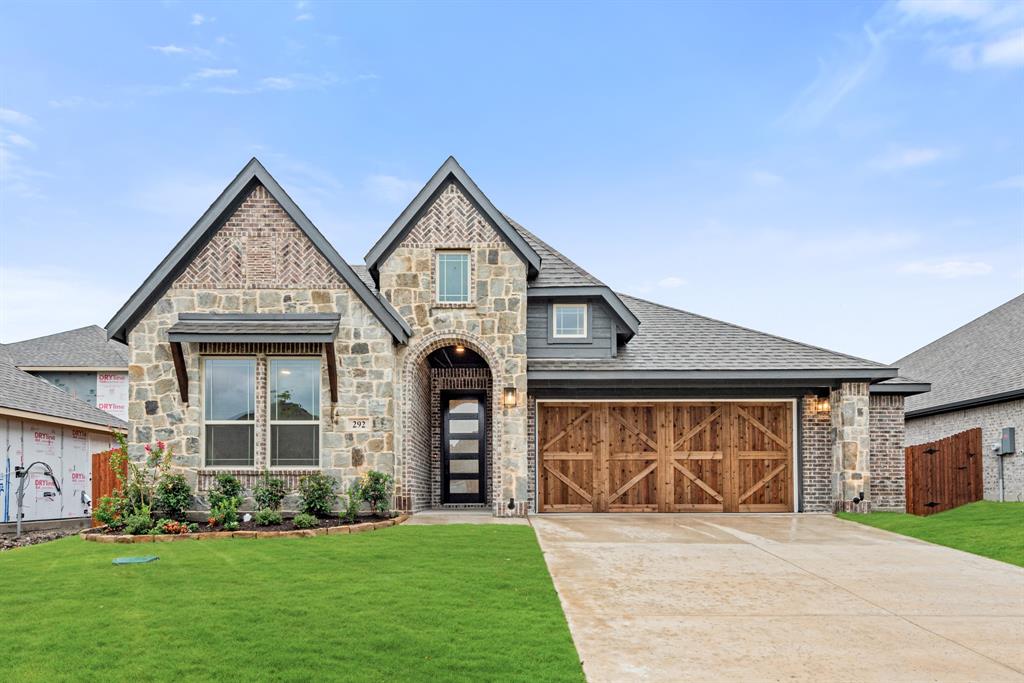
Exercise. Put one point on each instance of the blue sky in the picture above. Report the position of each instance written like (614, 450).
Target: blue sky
(846, 174)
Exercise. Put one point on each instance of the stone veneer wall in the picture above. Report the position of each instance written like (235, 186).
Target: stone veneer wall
(816, 456)
(493, 324)
(991, 418)
(260, 262)
(888, 464)
(446, 379)
(851, 445)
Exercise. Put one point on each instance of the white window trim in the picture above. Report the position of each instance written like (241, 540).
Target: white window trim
(554, 321)
(437, 275)
(318, 422)
(205, 421)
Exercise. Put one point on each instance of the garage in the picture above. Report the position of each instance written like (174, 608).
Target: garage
(686, 456)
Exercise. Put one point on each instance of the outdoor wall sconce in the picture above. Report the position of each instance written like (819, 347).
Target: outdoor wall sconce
(509, 398)
(459, 348)
(823, 405)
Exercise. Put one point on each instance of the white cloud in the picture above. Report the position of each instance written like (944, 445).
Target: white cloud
(172, 49)
(278, 83)
(765, 178)
(305, 16)
(200, 19)
(909, 157)
(15, 118)
(20, 140)
(390, 189)
(302, 15)
(1014, 182)
(947, 269)
(38, 301)
(1006, 52)
(214, 73)
(671, 282)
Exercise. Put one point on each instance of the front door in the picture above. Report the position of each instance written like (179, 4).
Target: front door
(463, 439)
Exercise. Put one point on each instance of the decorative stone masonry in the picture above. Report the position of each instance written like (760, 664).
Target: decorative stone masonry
(888, 463)
(851, 446)
(260, 262)
(492, 323)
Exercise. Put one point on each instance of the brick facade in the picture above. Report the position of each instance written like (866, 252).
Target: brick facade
(888, 464)
(816, 456)
(992, 419)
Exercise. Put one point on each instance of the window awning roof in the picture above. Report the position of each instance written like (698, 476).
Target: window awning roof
(254, 327)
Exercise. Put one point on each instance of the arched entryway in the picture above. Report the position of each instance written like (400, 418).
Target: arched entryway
(448, 433)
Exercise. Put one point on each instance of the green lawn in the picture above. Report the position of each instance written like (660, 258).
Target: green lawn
(421, 603)
(986, 528)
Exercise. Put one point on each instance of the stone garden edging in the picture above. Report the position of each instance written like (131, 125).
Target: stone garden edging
(92, 535)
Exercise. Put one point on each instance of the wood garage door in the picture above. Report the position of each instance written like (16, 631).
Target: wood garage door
(665, 457)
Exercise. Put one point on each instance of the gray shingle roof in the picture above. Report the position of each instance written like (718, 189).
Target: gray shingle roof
(85, 347)
(671, 339)
(983, 358)
(556, 270)
(22, 391)
(291, 327)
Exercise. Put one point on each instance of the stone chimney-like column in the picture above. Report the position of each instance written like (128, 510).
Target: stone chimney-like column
(851, 443)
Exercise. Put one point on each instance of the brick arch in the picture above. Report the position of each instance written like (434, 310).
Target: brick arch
(412, 463)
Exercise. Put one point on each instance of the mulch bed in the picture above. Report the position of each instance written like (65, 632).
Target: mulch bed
(331, 525)
(288, 526)
(33, 537)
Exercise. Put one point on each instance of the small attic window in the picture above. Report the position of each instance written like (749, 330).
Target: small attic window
(569, 321)
(453, 277)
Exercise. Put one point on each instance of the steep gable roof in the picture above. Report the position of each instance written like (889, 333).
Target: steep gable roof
(451, 169)
(676, 343)
(186, 249)
(85, 347)
(24, 393)
(982, 361)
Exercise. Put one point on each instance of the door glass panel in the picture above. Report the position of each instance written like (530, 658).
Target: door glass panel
(464, 466)
(463, 446)
(463, 426)
(463, 406)
(464, 486)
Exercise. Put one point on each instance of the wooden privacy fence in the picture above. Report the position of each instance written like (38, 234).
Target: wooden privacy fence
(944, 474)
(104, 478)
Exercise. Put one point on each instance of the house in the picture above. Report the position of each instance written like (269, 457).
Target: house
(82, 362)
(42, 423)
(977, 378)
(484, 369)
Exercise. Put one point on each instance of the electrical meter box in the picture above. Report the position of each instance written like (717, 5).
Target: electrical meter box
(1007, 441)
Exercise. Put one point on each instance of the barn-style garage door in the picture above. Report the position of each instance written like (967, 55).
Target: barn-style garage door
(665, 457)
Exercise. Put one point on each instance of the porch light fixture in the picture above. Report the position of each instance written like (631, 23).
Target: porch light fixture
(459, 348)
(509, 398)
(823, 405)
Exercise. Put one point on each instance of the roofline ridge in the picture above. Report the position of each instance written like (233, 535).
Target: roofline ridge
(964, 326)
(767, 334)
(568, 261)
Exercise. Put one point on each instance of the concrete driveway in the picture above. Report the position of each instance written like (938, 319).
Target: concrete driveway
(779, 597)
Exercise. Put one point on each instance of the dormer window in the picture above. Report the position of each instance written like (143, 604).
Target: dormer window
(569, 321)
(453, 277)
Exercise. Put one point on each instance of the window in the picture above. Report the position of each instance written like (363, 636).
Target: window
(229, 411)
(294, 412)
(570, 321)
(453, 277)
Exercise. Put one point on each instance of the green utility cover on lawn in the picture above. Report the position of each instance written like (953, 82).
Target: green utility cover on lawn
(136, 560)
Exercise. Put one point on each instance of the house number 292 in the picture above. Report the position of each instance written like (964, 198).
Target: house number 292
(359, 424)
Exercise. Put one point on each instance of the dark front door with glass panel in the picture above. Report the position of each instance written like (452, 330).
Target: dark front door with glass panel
(463, 435)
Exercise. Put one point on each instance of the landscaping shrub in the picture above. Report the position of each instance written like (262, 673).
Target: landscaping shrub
(353, 503)
(267, 517)
(376, 487)
(317, 494)
(139, 522)
(304, 521)
(173, 527)
(173, 495)
(269, 493)
(112, 510)
(137, 489)
(227, 488)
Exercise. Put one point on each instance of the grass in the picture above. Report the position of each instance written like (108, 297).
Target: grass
(986, 528)
(411, 603)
